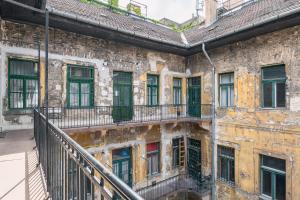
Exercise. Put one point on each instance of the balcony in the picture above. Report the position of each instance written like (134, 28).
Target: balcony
(72, 173)
(182, 183)
(111, 116)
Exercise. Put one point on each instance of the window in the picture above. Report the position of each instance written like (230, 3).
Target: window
(226, 90)
(153, 158)
(152, 90)
(176, 91)
(80, 86)
(178, 152)
(226, 164)
(272, 178)
(23, 84)
(273, 86)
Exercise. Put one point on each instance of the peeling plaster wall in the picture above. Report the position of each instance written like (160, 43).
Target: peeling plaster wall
(105, 56)
(247, 127)
(101, 144)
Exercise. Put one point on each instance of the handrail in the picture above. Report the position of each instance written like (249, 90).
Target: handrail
(179, 182)
(69, 117)
(56, 150)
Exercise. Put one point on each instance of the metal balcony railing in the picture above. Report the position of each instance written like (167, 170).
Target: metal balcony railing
(65, 117)
(181, 182)
(70, 171)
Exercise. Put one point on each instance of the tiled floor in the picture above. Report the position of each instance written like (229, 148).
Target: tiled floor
(20, 176)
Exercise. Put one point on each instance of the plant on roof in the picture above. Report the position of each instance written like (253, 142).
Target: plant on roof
(134, 8)
(114, 3)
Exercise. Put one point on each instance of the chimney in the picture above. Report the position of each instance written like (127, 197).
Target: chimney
(210, 10)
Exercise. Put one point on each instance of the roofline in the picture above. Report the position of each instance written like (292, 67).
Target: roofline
(253, 25)
(283, 20)
(96, 23)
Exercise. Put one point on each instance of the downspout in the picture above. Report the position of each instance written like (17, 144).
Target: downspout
(213, 129)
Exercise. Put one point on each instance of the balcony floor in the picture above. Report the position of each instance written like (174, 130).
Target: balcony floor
(20, 176)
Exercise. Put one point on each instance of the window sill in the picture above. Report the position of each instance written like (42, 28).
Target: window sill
(229, 183)
(277, 108)
(18, 111)
(152, 176)
(264, 197)
(226, 107)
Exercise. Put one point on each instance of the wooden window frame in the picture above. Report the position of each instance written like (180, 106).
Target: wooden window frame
(228, 160)
(274, 172)
(274, 83)
(23, 78)
(151, 87)
(179, 90)
(80, 81)
(228, 87)
(151, 153)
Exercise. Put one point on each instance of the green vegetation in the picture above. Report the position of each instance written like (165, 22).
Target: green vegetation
(114, 3)
(134, 8)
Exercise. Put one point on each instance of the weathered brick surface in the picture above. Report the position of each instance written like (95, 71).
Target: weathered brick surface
(247, 127)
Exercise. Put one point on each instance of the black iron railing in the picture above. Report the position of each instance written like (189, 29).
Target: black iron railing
(70, 171)
(65, 117)
(181, 182)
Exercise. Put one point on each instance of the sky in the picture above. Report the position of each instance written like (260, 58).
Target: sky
(176, 10)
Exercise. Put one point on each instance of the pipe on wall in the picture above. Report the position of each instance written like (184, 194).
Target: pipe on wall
(213, 111)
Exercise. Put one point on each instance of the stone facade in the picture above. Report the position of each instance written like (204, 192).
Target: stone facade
(104, 56)
(247, 127)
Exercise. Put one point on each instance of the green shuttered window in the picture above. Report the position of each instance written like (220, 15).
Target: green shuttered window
(273, 181)
(152, 90)
(80, 86)
(226, 164)
(177, 91)
(273, 86)
(226, 90)
(22, 84)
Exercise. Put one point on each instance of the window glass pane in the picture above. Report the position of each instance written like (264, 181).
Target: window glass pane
(231, 101)
(22, 67)
(74, 94)
(85, 94)
(31, 93)
(280, 94)
(266, 182)
(80, 72)
(267, 94)
(276, 72)
(226, 78)
(274, 163)
(223, 97)
(16, 93)
(224, 168)
(154, 163)
(231, 170)
(176, 82)
(280, 187)
(152, 80)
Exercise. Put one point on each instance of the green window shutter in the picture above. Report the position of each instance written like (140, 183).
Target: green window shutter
(273, 86)
(152, 90)
(22, 84)
(80, 86)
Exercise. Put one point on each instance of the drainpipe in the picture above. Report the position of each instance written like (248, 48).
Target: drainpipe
(213, 111)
